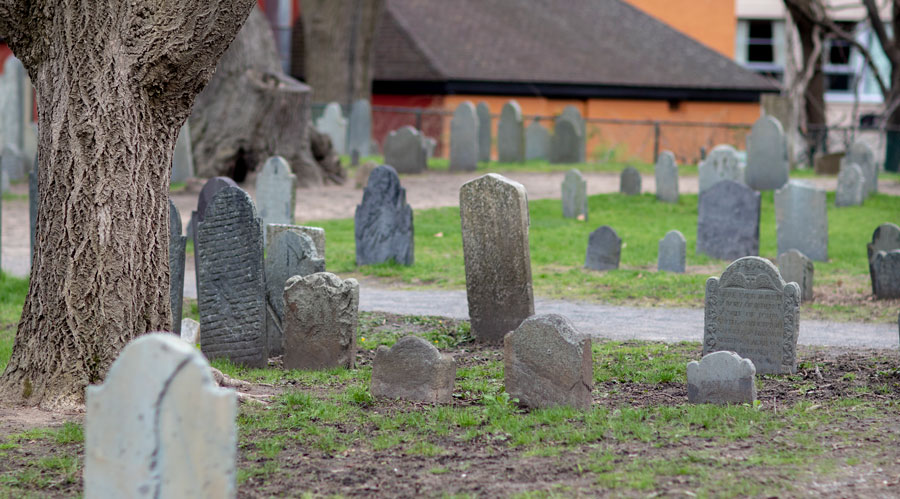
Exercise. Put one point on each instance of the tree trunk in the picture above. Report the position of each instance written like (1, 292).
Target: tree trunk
(814, 94)
(115, 81)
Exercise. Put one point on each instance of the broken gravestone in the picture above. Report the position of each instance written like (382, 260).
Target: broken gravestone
(413, 369)
(320, 319)
(721, 378)
(317, 234)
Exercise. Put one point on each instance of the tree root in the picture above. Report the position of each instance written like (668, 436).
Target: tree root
(228, 382)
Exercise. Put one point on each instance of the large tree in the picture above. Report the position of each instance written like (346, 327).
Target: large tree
(115, 80)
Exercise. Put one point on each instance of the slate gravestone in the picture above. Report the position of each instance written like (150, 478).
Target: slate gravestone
(794, 266)
(721, 378)
(851, 186)
(33, 203)
(885, 238)
(231, 281)
(547, 363)
(666, 172)
(574, 195)
(276, 191)
(494, 219)
(384, 221)
(317, 234)
(828, 164)
(510, 134)
(537, 141)
(207, 193)
(177, 244)
(767, 159)
(289, 254)
(672, 252)
(565, 144)
(573, 115)
(886, 274)
(13, 163)
(801, 219)
(320, 318)
(484, 131)
(413, 369)
(721, 164)
(752, 312)
(333, 124)
(604, 249)
(861, 154)
(405, 151)
(630, 181)
(183, 159)
(728, 221)
(463, 138)
(359, 135)
(159, 426)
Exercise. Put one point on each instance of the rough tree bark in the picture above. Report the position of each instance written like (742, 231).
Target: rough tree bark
(115, 81)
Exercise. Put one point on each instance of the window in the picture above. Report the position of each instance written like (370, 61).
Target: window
(839, 73)
(760, 46)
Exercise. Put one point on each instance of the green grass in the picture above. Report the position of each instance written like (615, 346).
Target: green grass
(12, 299)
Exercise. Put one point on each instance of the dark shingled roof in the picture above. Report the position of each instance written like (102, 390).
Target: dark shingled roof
(555, 43)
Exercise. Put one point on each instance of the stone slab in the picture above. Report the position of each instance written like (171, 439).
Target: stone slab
(566, 143)
(794, 266)
(861, 154)
(333, 124)
(886, 274)
(728, 221)
(276, 192)
(851, 186)
(359, 134)
(630, 181)
(721, 378)
(885, 238)
(767, 157)
(317, 234)
(801, 219)
(574, 195)
(604, 249)
(464, 138)
(537, 142)
(320, 319)
(404, 149)
(672, 252)
(722, 163)
(511, 134)
(413, 369)
(666, 172)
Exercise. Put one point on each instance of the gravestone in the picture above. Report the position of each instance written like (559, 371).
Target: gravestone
(604, 249)
(537, 141)
(885, 238)
(485, 132)
(13, 109)
(289, 254)
(33, 203)
(190, 331)
(574, 195)
(728, 221)
(362, 174)
(276, 191)
(463, 138)
(333, 124)
(630, 181)
(430, 143)
(721, 378)
(231, 281)
(794, 266)
(801, 219)
(354, 157)
(666, 172)
(183, 159)
(177, 244)
(494, 219)
(886, 274)
(547, 363)
(721, 164)
(752, 312)
(404, 149)
(207, 193)
(359, 135)
(320, 319)
(384, 221)
(13, 163)
(828, 164)
(861, 154)
(317, 234)
(510, 134)
(159, 426)
(672, 252)
(767, 159)
(413, 369)
(851, 186)
(573, 115)
(566, 143)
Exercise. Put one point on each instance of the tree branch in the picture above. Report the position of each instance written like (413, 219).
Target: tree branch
(20, 29)
(881, 31)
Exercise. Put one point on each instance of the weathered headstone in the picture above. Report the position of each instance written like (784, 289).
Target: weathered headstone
(404, 149)
(159, 426)
(861, 154)
(494, 218)
(207, 193)
(511, 134)
(728, 221)
(384, 221)
(413, 369)
(751, 311)
(333, 124)
(547, 363)
(574, 195)
(851, 186)
(190, 331)
(666, 172)
(183, 159)
(573, 115)
(566, 143)
(362, 174)
(721, 378)
(463, 138)
(485, 132)
(886, 274)
(604, 249)
(672, 252)
(885, 238)
(177, 244)
(317, 234)
(276, 191)
(801, 219)
(13, 162)
(767, 158)
(320, 318)
(630, 181)
(721, 164)
(231, 280)
(13, 109)
(359, 135)
(794, 266)
(537, 141)
(828, 164)
(33, 203)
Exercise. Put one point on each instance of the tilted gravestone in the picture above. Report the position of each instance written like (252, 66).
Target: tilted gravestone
(463, 138)
(574, 195)
(333, 124)
(604, 249)
(573, 115)
(886, 274)
(547, 363)
(317, 234)
(494, 219)
(177, 244)
(721, 378)
(851, 186)
(566, 143)
(794, 266)
(537, 141)
(511, 134)
(721, 164)
(404, 149)
(861, 154)
(767, 159)
(801, 219)
(183, 159)
(359, 135)
(231, 281)
(885, 238)
(751, 311)
(630, 181)
(484, 131)
(321, 313)
(413, 369)
(276, 192)
(666, 173)
(384, 221)
(728, 221)
(159, 426)
(289, 254)
(672, 252)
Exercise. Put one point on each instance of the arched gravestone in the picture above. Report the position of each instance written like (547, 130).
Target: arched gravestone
(573, 115)
(666, 172)
(672, 252)
(751, 311)
(485, 133)
(574, 195)
(604, 249)
(885, 238)
(851, 185)
(333, 124)
(511, 134)
(384, 221)
(177, 244)
(886, 274)
(630, 181)
(231, 281)
(464, 138)
(801, 219)
(359, 135)
(413, 369)
(537, 141)
(767, 160)
(566, 142)
(861, 154)
(721, 164)
(207, 193)
(728, 221)
(404, 149)
(276, 191)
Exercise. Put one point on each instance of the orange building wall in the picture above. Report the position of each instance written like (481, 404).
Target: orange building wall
(710, 22)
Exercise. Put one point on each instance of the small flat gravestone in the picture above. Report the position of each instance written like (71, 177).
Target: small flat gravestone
(511, 134)
(767, 158)
(574, 195)
(861, 154)
(851, 186)
(190, 331)
(886, 274)
(384, 221)
(672, 252)
(159, 426)
(801, 219)
(751, 311)
(404, 149)
(484, 131)
(276, 192)
(728, 221)
(666, 172)
(566, 143)
(463, 138)
(177, 244)
(317, 234)
(547, 363)
(722, 163)
(494, 219)
(721, 378)
(828, 164)
(795, 267)
(359, 134)
(333, 124)
(320, 317)
(885, 238)
(630, 181)
(604, 249)
(537, 141)
(413, 369)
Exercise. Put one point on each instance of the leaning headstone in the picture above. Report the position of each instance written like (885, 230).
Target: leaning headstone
(362, 174)
(574, 195)
(33, 203)
(630, 181)
(190, 331)
(828, 164)
(573, 115)
(289, 254)
(547, 363)
(231, 280)
(672, 252)
(320, 318)
(359, 135)
(404, 149)
(159, 426)
(384, 221)
(885, 238)
(851, 186)
(751, 311)
(801, 219)
(413, 369)
(463, 138)
(537, 141)
(484, 131)
(494, 218)
(666, 172)
(604, 249)
(886, 274)
(728, 221)
(276, 191)
(721, 164)
(767, 158)
(317, 234)
(13, 162)
(177, 244)
(721, 378)
(566, 143)
(183, 159)
(794, 266)
(861, 154)
(333, 124)
(511, 134)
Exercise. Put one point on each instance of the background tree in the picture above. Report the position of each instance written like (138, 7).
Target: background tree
(810, 82)
(115, 81)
